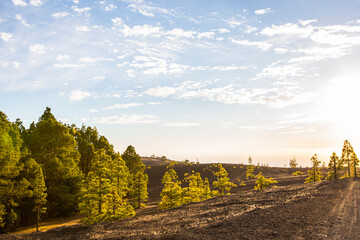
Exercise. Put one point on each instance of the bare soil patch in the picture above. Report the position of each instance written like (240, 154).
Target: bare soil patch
(322, 210)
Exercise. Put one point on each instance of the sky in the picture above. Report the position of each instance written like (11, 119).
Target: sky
(214, 81)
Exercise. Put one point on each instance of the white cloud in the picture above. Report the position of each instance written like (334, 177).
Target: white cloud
(19, 3)
(93, 110)
(233, 22)
(22, 20)
(206, 35)
(78, 95)
(262, 45)
(161, 91)
(97, 78)
(36, 3)
(223, 30)
(80, 10)
(61, 57)
(178, 33)
(6, 36)
(37, 49)
(123, 105)
(60, 14)
(117, 21)
(250, 29)
(278, 71)
(288, 29)
(76, 1)
(144, 30)
(82, 29)
(229, 68)
(146, 9)
(67, 65)
(126, 119)
(91, 59)
(307, 22)
(181, 124)
(110, 7)
(230, 94)
(154, 103)
(262, 11)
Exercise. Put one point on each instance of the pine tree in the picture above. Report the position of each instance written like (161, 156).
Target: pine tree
(298, 173)
(314, 172)
(293, 163)
(138, 177)
(354, 162)
(250, 169)
(194, 191)
(206, 190)
(347, 150)
(171, 192)
(12, 189)
(222, 183)
(262, 182)
(96, 189)
(117, 206)
(54, 148)
(139, 189)
(39, 195)
(335, 165)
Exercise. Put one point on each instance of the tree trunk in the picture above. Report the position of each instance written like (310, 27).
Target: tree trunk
(100, 196)
(37, 220)
(139, 199)
(335, 170)
(349, 166)
(355, 167)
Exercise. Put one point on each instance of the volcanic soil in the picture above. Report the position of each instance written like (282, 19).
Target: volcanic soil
(293, 210)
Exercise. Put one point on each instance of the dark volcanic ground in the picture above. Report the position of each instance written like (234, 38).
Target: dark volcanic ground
(322, 210)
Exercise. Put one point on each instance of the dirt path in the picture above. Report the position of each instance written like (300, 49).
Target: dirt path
(346, 214)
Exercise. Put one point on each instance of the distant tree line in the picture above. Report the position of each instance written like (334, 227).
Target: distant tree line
(60, 170)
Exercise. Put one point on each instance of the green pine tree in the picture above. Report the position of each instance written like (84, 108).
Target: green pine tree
(250, 169)
(171, 192)
(347, 151)
(314, 172)
(335, 165)
(262, 182)
(39, 194)
(55, 149)
(222, 184)
(138, 178)
(206, 190)
(12, 187)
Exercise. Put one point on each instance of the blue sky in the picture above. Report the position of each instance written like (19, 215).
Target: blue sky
(210, 80)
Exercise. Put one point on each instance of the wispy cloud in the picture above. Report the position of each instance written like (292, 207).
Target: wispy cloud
(36, 3)
(78, 95)
(19, 3)
(262, 45)
(6, 36)
(123, 105)
(262, 11)
(60, 14)
(126, 119)
(181, 124)
(22, 20)
(146, 8)
(37, 49)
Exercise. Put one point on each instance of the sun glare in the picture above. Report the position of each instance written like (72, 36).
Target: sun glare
(339, 105)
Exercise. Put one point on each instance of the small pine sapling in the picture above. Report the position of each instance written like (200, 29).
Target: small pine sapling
(262, 182)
